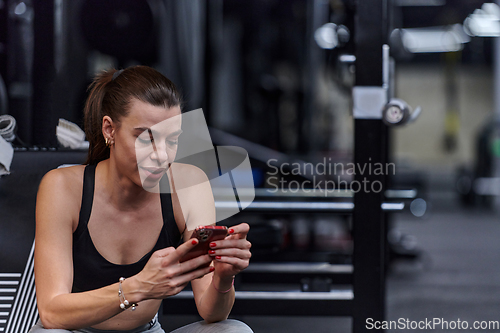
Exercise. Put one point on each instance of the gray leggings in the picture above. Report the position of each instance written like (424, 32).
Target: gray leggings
(226, 326)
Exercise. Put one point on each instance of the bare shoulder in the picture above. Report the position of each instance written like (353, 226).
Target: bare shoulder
(59, 195)
(187, 175)
(67, 180)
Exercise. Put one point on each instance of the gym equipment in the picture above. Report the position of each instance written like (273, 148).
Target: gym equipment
(398, 112)
(365, 296)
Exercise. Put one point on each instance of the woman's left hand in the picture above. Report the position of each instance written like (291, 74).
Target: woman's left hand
(232, 254)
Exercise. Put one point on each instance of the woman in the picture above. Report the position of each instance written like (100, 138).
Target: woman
(107, 248)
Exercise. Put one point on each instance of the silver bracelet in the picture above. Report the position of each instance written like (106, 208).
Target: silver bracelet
(124, 304)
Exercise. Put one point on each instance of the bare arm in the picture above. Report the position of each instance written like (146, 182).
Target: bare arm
(232, 255)
(53, 261)
(212, 304)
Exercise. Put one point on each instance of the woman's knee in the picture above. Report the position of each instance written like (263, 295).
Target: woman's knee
(226, 326)
(233, 325)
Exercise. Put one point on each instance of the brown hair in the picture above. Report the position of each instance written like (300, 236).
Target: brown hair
(110, 94)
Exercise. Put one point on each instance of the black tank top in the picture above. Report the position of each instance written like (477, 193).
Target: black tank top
(90, 269)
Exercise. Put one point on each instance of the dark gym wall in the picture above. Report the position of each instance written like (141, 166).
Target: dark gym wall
(47, 46)
(45, 66)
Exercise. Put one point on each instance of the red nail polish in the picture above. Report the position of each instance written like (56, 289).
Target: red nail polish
(194, 242)
(211, 251)
(213, 245)
(212, 268)
(217, 257)
(231, 231)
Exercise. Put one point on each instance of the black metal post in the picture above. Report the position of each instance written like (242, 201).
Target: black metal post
(43, 129)
(369, 153)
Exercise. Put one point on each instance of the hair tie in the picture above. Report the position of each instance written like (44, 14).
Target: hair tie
(116, 74)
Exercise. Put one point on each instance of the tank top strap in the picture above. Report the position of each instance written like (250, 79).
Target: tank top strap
(87, 199)
(167, 211)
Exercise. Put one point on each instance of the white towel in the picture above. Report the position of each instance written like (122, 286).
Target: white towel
(70, 135)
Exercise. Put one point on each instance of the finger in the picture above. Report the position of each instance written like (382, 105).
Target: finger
(241, 229)
(238, 253)
(183, 249)
(196, 274)
(194, 263)
(231, 243)
(238, 263)
(164, 252)
(177, 269)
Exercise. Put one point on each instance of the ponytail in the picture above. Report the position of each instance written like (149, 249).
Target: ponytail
(93, 114)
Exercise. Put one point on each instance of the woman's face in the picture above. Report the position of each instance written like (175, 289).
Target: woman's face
(146, 142)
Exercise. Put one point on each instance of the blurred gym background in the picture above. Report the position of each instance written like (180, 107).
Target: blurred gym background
(275, 77)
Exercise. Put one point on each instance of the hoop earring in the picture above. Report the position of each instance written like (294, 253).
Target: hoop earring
(108, 144)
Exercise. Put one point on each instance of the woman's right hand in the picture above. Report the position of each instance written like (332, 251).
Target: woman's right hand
(164, 275)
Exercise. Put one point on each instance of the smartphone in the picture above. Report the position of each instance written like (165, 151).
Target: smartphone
(205, 235)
